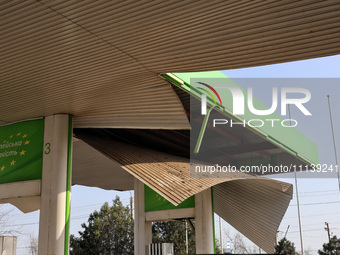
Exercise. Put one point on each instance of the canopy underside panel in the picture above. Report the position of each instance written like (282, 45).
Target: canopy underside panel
(99, 61)
(253, 205)
(94, 169)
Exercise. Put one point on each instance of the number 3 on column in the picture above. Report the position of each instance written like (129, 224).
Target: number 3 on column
(47, 148)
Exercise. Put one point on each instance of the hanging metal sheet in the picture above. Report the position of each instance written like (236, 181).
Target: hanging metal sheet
(253, 205)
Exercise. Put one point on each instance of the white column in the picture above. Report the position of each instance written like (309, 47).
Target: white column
(204, 230)
(142, 228)
(56, 183)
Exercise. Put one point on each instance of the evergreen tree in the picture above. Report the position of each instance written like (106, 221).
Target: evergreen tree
(109, 231)
(174, 232)
(331, 248)
(285, 247)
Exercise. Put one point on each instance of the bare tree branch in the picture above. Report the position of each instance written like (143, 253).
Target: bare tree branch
(33, 247)
(239, 243)
(5, 228)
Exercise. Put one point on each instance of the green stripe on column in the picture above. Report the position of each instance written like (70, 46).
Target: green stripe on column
(68, 186)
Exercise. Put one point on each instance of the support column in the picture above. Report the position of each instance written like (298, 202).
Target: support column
(142, 228)
(204, 228)
(56, 186)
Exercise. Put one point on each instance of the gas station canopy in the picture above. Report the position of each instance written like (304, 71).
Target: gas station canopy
(99, 60)
(104, 64)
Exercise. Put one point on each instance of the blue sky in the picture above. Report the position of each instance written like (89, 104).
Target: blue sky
(319, 197)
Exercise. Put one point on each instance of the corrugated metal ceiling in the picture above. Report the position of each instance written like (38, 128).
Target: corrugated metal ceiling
(52, 65)
(166, 174)
(92, 168)
(99, 60)
(253, 205)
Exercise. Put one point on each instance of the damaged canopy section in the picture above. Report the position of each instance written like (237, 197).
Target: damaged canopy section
(220, 136)
(253, 205)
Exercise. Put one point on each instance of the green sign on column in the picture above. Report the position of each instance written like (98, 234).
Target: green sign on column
(155, 202)
(21, 151)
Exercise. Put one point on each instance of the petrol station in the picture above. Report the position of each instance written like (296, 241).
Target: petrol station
(102, 94)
